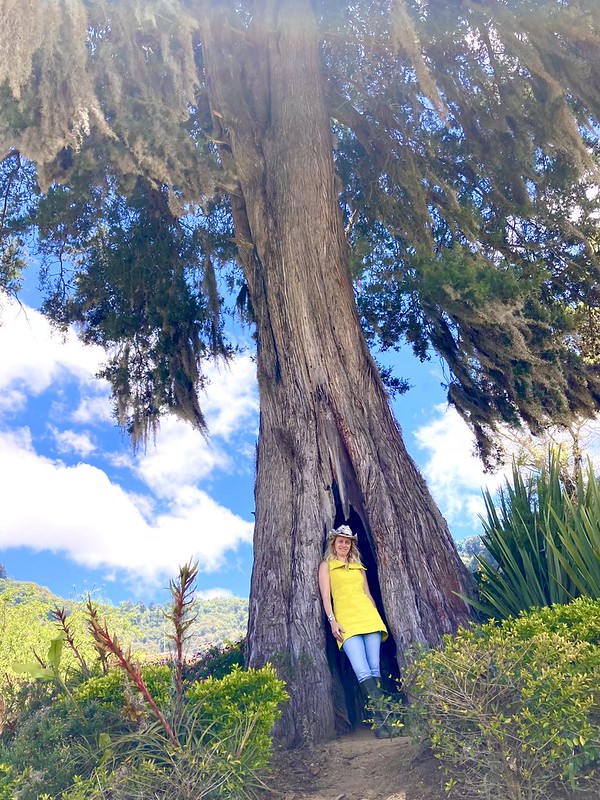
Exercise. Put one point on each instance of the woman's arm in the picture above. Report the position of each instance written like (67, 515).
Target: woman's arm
(325, 589)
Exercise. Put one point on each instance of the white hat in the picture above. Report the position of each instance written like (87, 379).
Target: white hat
(344, 531)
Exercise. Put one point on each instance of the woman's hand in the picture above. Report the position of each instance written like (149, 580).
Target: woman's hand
(337, 630)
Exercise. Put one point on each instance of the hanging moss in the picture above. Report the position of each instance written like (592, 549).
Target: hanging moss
(466, 148)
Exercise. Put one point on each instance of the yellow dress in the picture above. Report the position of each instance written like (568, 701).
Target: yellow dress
(352, 608)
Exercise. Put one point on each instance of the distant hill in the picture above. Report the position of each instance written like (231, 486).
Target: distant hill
(469, 549)
(26, 623)
(218, 620)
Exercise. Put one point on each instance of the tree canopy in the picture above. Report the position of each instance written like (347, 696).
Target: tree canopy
(465, 137)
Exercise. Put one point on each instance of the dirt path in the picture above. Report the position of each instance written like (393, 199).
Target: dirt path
(360, 767)
(357, 767)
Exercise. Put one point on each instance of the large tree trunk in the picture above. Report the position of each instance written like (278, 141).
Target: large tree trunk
(329, 448)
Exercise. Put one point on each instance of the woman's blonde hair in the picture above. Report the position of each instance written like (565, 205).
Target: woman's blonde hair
(353, 555)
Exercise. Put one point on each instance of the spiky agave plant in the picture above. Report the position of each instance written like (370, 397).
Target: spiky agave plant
(544, 539)
(579, 535)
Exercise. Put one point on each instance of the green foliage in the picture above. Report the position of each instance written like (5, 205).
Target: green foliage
(113, 688)
(17, 194)
(245, 701)
(54, 743)
(587, 325)
(218, 621)
(466, 143)
(142, 731)
(512, 709)
(216, 662)
(26, 624)
(131, 294)
(223, 740)
(544, 541)
(9, 784)
(578, 621)
(385, 713)
(224, 744)
(105, 689)
(46, 673)
(159, 680)
(578, 537)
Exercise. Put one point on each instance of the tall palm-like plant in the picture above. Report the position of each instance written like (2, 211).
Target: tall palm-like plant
(543, 539)
(579, 533)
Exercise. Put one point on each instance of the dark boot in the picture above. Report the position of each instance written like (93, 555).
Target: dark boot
(375, 699)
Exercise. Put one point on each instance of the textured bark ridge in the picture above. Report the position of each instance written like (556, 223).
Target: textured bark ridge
(329, 448)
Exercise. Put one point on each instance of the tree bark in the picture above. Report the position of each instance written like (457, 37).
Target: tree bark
(329, 450)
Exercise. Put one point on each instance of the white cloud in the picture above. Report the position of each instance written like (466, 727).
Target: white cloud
(73, 442)
(213, 594)
(181, 455)
(78, 512)
(454, 474)
(34, 354)
(184, 456)
(12, 401)
(123, 460)
(231, 396)
(37, 357)
(95, 406)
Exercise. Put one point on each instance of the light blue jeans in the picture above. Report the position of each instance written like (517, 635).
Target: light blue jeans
(363, 653)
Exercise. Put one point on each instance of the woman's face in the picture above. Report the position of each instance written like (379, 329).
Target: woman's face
(341, 547)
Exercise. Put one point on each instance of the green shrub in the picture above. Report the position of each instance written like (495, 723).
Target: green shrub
(159, 680)
(109, 689)
(578, 621)
(245, 702)
(512, 709)
(55, 743)
(143, 732)
(224, 743)
(106, 689)
(9, 784)
(224, 739)
(216, 662)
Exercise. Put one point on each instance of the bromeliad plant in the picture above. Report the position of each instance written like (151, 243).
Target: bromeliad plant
(211, 740)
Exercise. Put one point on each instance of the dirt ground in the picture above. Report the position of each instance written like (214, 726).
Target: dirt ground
(357, 766)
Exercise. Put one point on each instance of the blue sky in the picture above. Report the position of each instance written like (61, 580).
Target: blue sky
(81, 512)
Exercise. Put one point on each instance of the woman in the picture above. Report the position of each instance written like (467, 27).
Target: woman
(355, 622)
